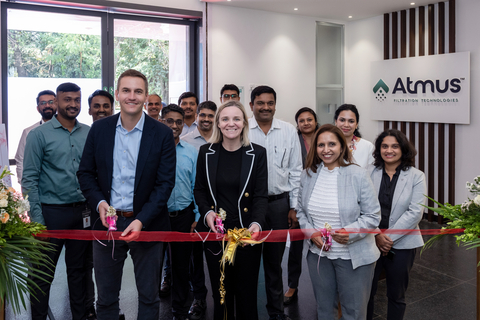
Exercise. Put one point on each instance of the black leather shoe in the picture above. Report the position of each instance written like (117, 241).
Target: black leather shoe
(289, 300)
(121, 315)
(165, 287)
(197, 310)
(280, 317)
(91, 315)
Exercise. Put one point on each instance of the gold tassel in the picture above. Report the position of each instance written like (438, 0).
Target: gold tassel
(234, 238)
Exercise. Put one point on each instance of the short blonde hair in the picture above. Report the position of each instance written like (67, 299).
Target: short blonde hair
(217, 135)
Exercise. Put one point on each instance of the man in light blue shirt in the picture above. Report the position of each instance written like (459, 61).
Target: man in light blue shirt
(188, 101)
(181, 208)
(129, 163)
(52, 156)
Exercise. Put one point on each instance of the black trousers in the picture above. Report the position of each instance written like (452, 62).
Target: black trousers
(397, 275)
(277, 219)
(197, 273)
(64, 218)
(241, 281)
(295, 263)
(180, 262)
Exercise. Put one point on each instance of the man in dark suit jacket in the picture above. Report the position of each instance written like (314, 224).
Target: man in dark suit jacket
(129, 163)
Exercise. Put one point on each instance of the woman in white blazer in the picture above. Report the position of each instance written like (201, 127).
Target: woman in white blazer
(337, 192)
(401, 189)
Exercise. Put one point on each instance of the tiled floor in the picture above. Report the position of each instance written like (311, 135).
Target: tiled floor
(442, 286)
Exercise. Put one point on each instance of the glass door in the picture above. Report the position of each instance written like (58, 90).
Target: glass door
(44, 46)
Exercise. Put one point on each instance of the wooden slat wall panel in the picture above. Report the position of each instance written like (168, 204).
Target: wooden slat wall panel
(421, 146)
(441, 166)
(394, 35)
(432, 156)
(451, 163)
(421, 31)
(403, 127)
(431, 168)
(386, 36)
(412, 33)
(451, 127)
(441, 27)
(411, 130)
(403, 34)
(451, 27)
(431, 29)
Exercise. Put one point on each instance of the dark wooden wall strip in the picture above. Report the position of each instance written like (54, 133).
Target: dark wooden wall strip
(421, 146)
(386, 125)
(386, 36)
(412, 33)
(451, 163)
(421, 31)
(451, 27)
(431, 29)
(441, 167)
(411, 130)
(403, 127)
(394, 125)
(431, 168)
(403, 34)
(451, 127)
(394, 35)
(441, 27)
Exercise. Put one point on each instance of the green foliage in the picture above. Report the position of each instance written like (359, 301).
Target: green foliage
(148, 56)
(64, 55)
(20, 253)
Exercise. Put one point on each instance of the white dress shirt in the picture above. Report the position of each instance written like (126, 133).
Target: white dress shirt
(284, 159)
(21, 149)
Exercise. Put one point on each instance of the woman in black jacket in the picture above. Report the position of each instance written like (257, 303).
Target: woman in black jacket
(232, 176)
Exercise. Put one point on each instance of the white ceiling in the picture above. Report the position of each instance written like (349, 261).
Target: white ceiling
(327, 9)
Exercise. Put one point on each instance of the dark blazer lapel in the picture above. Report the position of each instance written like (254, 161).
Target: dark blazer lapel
(109, 146)
(401, 183)
(145, 145)
(212, 163)
(247, 164)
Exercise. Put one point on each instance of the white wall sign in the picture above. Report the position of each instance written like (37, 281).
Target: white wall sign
(433, 88)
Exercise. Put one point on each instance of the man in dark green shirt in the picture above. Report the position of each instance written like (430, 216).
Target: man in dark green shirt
(52, 156)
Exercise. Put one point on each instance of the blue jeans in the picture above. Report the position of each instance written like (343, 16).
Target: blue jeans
(147, 261)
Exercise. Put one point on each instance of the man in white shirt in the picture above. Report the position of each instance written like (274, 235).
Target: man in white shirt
(284, 168)
(47, 107)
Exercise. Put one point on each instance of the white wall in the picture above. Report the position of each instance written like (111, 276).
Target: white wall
(257, 47)
(467, 148)
(364, 44)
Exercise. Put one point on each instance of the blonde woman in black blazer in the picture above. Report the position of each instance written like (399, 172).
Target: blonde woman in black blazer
(232, 175)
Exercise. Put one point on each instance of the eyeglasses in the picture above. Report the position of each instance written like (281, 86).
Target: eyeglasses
(230, 96)
(204, 115)
(44, 103)
(170, 121)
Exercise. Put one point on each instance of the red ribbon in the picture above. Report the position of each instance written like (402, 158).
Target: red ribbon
(273, 236)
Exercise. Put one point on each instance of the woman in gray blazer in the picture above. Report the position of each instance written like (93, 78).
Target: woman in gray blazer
(401, 190)
(337, 192)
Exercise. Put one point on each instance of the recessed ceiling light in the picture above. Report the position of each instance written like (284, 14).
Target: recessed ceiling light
(412, 3)
(296, 9)
(350, 17)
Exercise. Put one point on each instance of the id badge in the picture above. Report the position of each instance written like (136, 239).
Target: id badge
(86, 215)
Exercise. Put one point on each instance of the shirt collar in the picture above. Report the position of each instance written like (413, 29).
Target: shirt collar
(56, 124)
(138, 126)
(275, 124)
(181, 143)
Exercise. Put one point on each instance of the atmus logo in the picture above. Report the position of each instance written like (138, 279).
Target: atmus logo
(380, 90)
